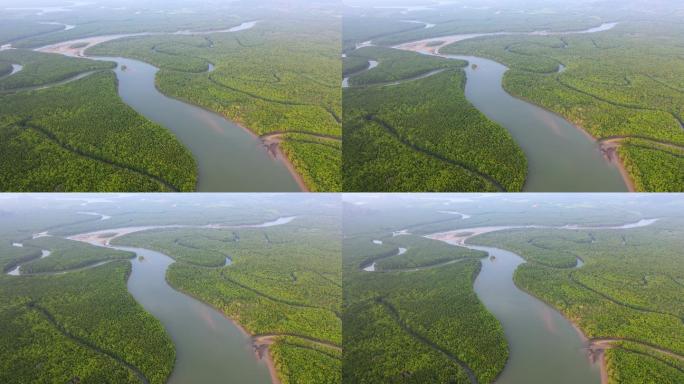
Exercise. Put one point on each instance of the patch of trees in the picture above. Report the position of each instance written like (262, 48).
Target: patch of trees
(411, 327)
(653, 167)
(66, 255)
(422, 252)
(300, 361)
(316, 160)
(395, 65)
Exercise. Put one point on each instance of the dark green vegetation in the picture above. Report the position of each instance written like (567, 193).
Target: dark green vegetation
(284, 284)
(301, 361)
(628, 293)
(5, 68)
(419, 326)
(623, 84)
(422, 134)
(350, 64)
(422, 253)
(630, 362)
(316, 158)
(80, 136)
(81, 326)
(261, 82)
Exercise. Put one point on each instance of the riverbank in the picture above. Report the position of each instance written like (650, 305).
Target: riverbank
(610, 151)
(610, 155)
(595, 356)
(261, 352)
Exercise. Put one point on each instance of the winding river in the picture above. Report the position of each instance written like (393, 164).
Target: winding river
(561, 157)
(229, 157)
(210, 348)
(544, 346)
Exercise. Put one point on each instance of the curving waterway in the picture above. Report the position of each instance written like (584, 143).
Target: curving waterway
(371, 64)
(544, 346)
(561, 157)
(15, 68)
(210, 348)
(229, 157)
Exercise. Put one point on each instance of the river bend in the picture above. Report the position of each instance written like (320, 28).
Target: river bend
(229, 158)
